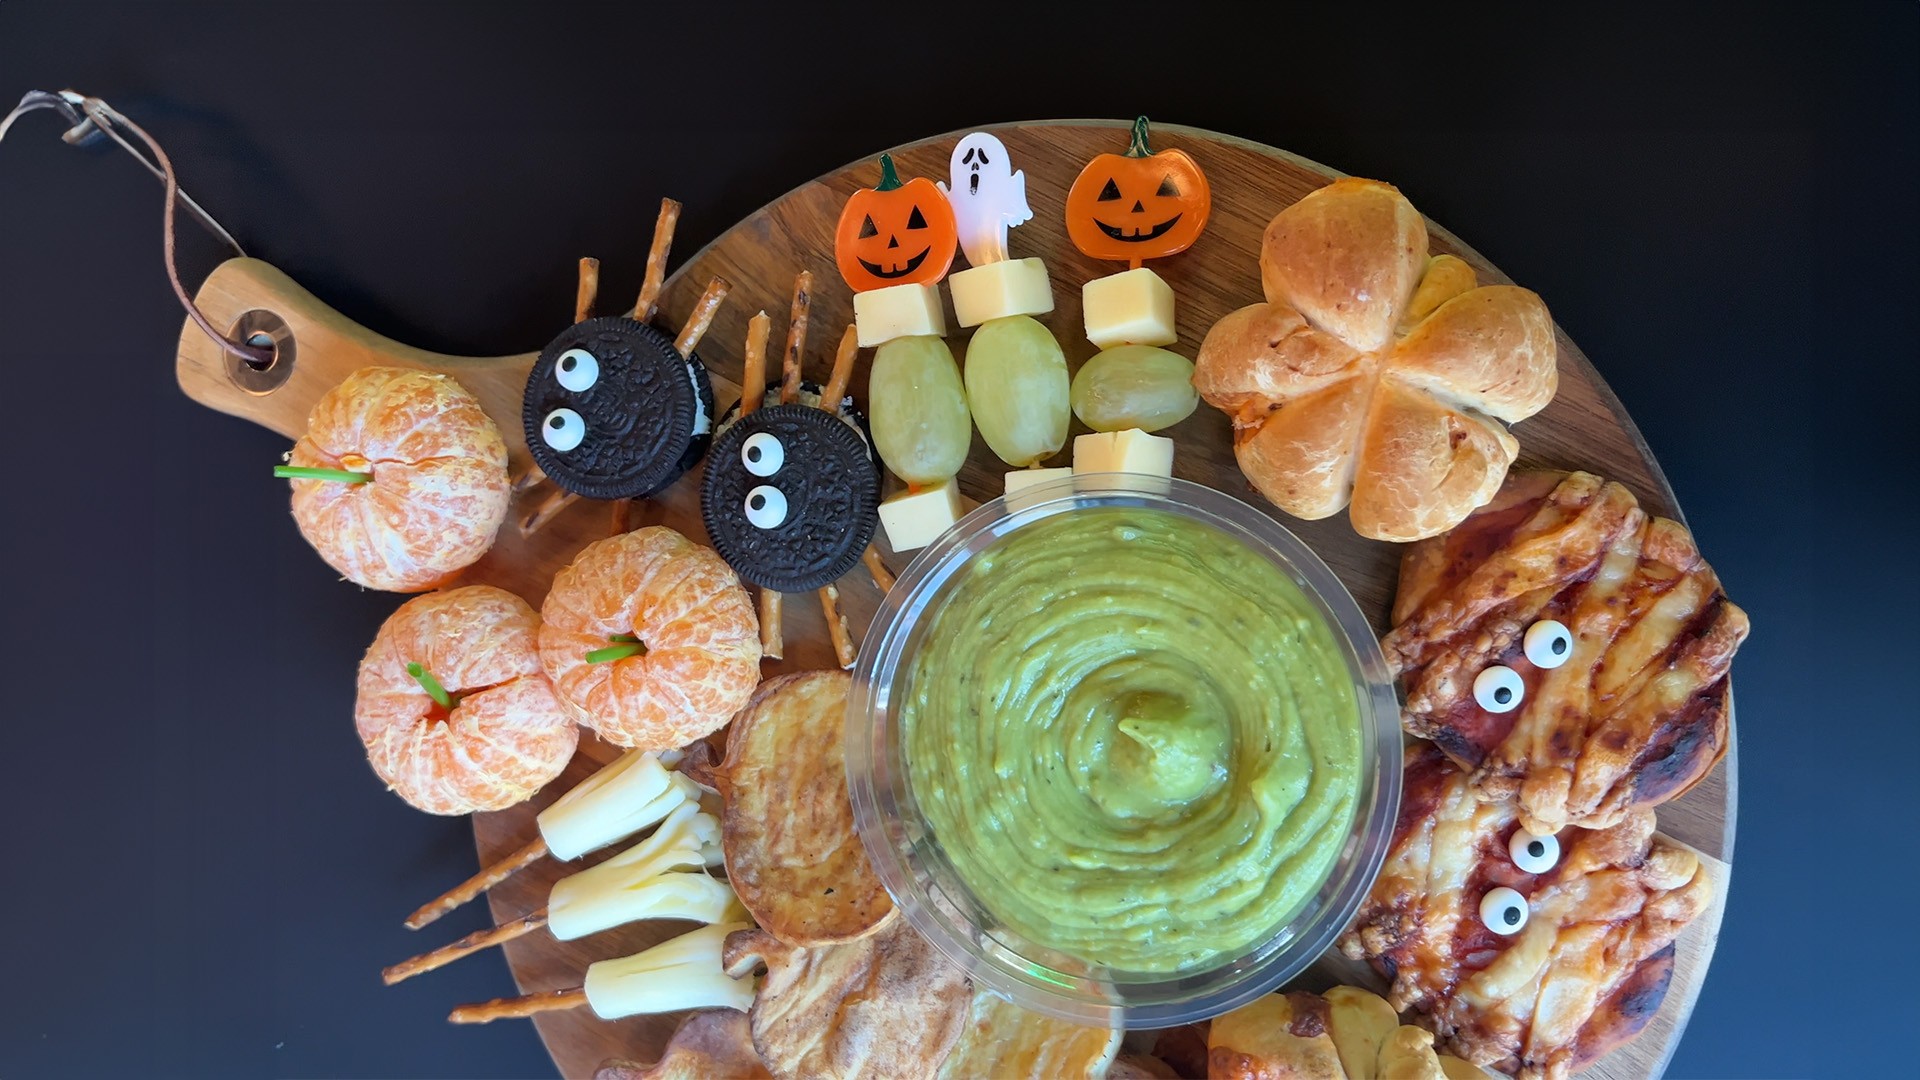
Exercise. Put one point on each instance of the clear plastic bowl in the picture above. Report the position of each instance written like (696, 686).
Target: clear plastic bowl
(938, 903)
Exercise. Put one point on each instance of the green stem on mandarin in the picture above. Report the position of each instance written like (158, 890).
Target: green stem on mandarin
(302, 472)
(431, 685)
(616, 652)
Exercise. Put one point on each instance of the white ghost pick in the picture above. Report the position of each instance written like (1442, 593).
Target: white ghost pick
(987, 196)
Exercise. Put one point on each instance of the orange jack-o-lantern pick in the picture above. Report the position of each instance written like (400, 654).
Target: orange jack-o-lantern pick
(1138, 205)
(895, 234)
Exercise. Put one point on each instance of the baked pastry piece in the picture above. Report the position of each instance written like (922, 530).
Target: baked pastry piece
(1347, 1034)
(1373, 374)
(1606, 632)
(1584, 946)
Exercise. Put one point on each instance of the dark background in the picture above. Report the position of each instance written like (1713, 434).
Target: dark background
(202, 876)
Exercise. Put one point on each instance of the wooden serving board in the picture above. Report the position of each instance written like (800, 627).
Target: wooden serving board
(1585, 427)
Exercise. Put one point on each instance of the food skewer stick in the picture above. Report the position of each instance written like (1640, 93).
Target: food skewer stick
(753, 384)
(587, 291)
(664, 876)
(486, 879)
(625, 796)
(466, 946)
(645, 307)
(683, 973)
(529, 1005)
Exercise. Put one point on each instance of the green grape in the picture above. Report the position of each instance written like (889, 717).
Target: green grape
(1134, 386)
(1017, 383)
(918, 409)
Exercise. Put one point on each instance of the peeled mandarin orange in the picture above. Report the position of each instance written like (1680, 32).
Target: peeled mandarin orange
(439, 490)
(700, 639)
(506, 733)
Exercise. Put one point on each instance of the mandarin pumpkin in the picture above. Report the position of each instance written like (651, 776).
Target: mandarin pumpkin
(895, 233)
(1138, 205)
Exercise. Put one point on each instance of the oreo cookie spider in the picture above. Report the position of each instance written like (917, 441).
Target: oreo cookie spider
(615, 408)
(790, 494)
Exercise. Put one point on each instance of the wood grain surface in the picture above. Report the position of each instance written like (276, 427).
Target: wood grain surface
(1585, 427)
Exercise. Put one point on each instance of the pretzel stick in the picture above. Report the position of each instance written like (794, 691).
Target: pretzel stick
(796, 337)
(588, 291)
(622, 516)
(773, 642)
(702, 316)
(649, 302)
(479, 883)
(753, 374)
(837, 625)
(529, 479)
(836, 387)
(466, 946)
(882, 576)
(504, 1008)
(546, 512)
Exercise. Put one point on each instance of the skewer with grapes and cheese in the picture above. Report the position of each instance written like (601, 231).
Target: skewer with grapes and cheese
(1129, 208)
(791, 488)
(634, 792)
(893, 244)
(662, 877)
(1016, 373)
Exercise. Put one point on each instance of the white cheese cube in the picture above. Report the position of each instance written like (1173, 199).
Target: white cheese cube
(1131, 308)
(898, 311)
(997, 290)
(915, 520)
(1132, 452)
(1020, 480)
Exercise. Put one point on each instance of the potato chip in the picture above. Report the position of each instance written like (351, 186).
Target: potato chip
(887, 1005)
(711, 1044)
(1006, 1042)
(792, 853)
(1277, 1035)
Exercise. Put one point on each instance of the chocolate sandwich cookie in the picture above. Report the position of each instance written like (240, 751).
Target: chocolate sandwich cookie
(613, 411)
(790, 497)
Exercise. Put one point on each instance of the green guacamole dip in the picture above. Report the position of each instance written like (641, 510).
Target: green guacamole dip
(1134, 737)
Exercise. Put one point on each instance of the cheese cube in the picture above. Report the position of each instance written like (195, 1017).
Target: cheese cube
(1020, 480)
(898, 311)
(997, 290)
(1131, 308)
(1131, 451)
(915, 520)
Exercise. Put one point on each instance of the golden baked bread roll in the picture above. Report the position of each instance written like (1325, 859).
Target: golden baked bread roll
(1373, 376)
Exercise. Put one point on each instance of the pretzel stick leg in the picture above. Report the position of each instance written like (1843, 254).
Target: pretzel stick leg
(753, 370)
(588, 290)
(479, 883)
(622, 516)
(547, 511)
(528, 480)
(836, 387)
(796, 337)
(649, 302)
(702, 316)
(466, 946)
(505, 1008)
(837, 626)
(773, 642)
(882, 576)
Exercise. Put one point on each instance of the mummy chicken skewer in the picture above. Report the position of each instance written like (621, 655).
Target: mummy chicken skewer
(661, 877)
(684, 973)
(614, 408)
(790, 491)
(634, 792)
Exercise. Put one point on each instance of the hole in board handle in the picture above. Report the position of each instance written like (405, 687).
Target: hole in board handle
(268, 330)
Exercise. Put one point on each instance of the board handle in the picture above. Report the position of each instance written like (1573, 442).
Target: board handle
(315, 348)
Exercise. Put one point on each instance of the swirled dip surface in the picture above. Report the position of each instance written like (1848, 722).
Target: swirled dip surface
(1134, 737)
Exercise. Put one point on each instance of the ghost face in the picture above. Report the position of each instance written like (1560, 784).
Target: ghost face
(976, 155)
(613, 411)
(988, 196)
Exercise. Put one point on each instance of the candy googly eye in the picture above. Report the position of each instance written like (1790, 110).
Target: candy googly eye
(563, 429)
(1548, 643)
(1499, 689)
(576, 370)
(766, 507)
(762, 453)
(1534, 854)
(1503, 911)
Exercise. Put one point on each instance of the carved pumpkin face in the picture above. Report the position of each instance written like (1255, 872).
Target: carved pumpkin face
(1138, 205)
(895, 234)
